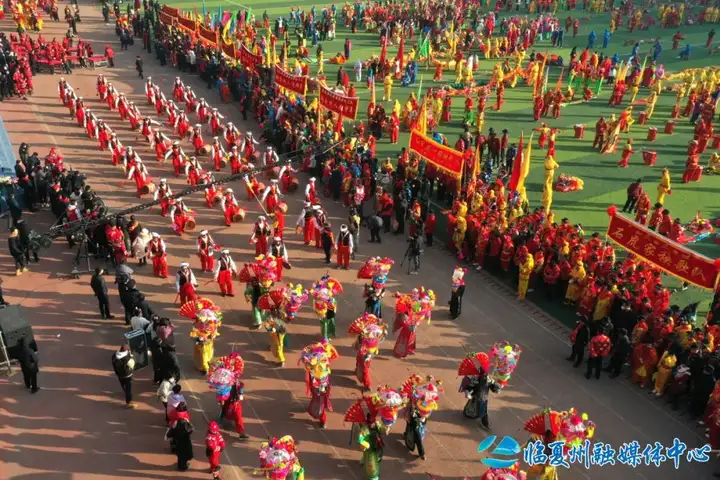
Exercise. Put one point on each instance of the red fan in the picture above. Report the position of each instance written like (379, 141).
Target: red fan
(278, 296)
(334, 286)
(355, 414)
(365, 271)
(484, 361)
(467, 367)
(409, 384)
(266, 303)
(356, 327)
(555, 420)
(246, 273)
(189, 310)
(536, 424)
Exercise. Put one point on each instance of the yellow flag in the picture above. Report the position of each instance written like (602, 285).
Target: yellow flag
(372, 92)
(422, 118)
(525, 167)
(226, 31)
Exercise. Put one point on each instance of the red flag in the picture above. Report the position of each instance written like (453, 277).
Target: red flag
(517, 167)
(383, 52)
(401, 53)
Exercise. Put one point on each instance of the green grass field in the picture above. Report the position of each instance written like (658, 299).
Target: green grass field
(605, 183)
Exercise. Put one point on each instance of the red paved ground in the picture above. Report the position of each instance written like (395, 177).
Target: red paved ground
(77, 426)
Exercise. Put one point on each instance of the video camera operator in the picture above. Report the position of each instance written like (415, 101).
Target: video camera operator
(413, 253)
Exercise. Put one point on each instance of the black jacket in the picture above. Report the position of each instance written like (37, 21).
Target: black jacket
(15, 246)
(97, 283)
(28, 357)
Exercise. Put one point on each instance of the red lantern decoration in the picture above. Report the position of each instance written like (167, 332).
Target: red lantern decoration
(611, 210)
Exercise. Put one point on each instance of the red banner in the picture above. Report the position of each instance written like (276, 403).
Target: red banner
(166, 19)
(228, 50)
(248, 58)
(291, 82)
(667, 255)
(208, 35)
(446, 159)
(188, 24)
(172, 12)
(344, 106)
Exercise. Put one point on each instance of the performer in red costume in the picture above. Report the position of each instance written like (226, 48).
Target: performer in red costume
(306, 222)
(139, 173)
(626, 154)
(217, 154)
(158, 253)
(271, 196)
(214, 446)
(310, 195)
(260, 235)
(206, 249)
(180, 215)
(233, 411)
(230, 207)
(185, 284)
(224, 273)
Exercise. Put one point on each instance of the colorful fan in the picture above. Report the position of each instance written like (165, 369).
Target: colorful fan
(356, 413)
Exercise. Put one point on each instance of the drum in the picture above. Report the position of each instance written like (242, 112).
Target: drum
(190, 224)
(642, 118)
(293, 185)
(675, 111)
(716, 142)
(649, 157)
(259, 189)
(148, 188)
(652, 134)
(579, 131)
(282, 206)
(274, 172)
(217, 198)
(205, 150)
(669, 126)
(239, 215)
(223, 163)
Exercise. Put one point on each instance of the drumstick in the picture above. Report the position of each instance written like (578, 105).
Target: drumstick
(176, 298)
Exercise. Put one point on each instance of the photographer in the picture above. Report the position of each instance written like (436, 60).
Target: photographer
(413, 253)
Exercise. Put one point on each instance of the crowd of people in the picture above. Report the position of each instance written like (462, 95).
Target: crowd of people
(625, 306)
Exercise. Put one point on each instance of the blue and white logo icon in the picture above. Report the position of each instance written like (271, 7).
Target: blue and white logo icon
(508, 447)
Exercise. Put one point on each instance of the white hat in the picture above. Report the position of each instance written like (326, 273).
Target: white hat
(277, 239)
(203, 232)
(228, 190)
(343, 228)
(226, 252)
(198, 125)
(214, 109)
(176, 143)
(312, 179)
(234, 147)
(149, 78)
(261, 218)
(229, 124)
(274, 180)
(317, 207)
(215, 138)
(184, 264)
(269, 148)
(155, 235)
(163, 180)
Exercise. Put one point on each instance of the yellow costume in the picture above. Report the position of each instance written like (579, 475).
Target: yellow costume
(714, 165)
(550, 166)
(664, 372)
(276, 345)
(547, 197)
(203, 355)
(526, 270)
(577, 275)
(387, 84)
(635, 88)
(663, 187)
(652, 100)
(321, 63)
(460, 229)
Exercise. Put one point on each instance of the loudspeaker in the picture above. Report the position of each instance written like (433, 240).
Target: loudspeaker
(13, 327)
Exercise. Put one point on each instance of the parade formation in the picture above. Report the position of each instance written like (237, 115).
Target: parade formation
(639, 296)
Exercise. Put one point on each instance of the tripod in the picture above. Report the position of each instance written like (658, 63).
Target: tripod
(83, 252)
